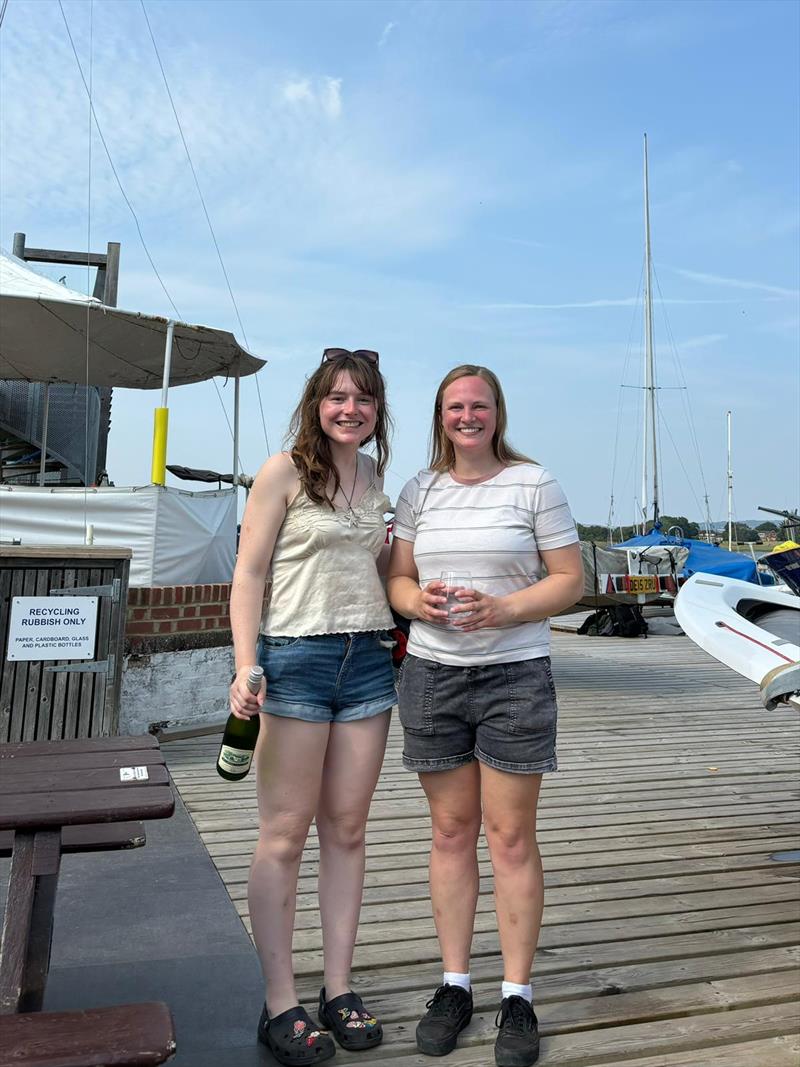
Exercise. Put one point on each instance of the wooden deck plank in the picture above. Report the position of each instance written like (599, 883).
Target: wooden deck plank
(623, 1009)
(671, 927)
(395, 1005)
(781, 1051)
(576, 961)
(699, 1034)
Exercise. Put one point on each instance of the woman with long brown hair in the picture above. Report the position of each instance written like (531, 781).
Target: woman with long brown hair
(312, 532)
(476, 693)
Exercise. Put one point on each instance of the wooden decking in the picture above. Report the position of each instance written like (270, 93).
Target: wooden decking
(673, 908)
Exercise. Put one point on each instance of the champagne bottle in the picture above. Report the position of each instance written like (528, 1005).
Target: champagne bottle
(239, 739)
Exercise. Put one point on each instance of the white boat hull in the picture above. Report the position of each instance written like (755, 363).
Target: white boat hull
(729, 619)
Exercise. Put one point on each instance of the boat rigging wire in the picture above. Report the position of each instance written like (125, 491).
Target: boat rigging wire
(205, 210)
(687, 400)
(628, 356)
(114, 169)
(130, 205)
(628, 352)
(664, 425)
(88, 277)
(3, 11)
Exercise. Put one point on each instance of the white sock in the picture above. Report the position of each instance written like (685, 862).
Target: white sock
(513, 989)
(453, 978)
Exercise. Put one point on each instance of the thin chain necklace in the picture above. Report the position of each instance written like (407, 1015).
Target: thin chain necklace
(352, 518)
(475, 481)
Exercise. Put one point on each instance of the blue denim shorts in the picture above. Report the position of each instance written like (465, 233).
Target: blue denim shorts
(503, 714)
(329, 677)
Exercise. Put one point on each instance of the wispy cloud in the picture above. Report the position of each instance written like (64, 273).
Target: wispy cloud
(735, 283)
(331, 98)
(295, 92)
(326, 95)
(788, 326)
(282, 155)
(387, 29)
(624, 302)
(703, 341)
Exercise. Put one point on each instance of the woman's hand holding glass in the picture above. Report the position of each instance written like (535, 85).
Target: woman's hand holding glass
(244, 703)
(431, 604)
(480, 611)
(451, 601)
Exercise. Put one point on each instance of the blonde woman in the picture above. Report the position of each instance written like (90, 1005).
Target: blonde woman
(315, 523)
(476, 694)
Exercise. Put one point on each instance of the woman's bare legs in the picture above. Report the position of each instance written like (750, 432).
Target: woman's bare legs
(289, 759)
(352, 764)
(509, 819)
(455, 802)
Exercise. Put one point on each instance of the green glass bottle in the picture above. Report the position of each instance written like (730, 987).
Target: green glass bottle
(239, 739)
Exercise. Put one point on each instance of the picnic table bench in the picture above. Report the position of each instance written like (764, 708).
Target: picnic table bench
(128, 1035)
(97, 837)
(71, 796)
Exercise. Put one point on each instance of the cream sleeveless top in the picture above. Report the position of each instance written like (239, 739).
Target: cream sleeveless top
(323, 576)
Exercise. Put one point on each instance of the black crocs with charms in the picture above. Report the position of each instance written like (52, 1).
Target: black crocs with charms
(349, 1021)
(293, 1038)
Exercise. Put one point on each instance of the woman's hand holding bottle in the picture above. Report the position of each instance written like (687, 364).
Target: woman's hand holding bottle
(247, 693)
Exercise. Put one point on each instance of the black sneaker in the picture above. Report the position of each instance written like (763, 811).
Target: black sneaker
(448, 1013)
(517, 1044)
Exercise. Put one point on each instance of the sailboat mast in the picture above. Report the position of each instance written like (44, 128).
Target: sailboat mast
(650, 426)
(730, 487)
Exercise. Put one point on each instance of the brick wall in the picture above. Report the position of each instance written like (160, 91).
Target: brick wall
(173, 618)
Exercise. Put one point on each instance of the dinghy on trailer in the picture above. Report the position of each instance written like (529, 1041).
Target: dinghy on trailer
(753, 630)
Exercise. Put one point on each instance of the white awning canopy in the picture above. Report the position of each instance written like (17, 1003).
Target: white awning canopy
(43, 330)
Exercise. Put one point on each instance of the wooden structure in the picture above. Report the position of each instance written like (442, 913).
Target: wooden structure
(669, 841)
(45, 787)
(106, 282)
(51, 791)
(127, 1035)
(44, 700)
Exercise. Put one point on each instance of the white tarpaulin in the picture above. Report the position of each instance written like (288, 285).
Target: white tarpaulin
(177, 537)
(43, 338)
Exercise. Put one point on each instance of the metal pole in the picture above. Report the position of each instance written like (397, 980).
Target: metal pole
(730, 488)
(236, 428)
(650, 383)
(45, 419)
(18, 247)
(167, 363)
(161, 417)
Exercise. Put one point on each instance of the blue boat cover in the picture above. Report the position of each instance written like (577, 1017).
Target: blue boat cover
(708, 559)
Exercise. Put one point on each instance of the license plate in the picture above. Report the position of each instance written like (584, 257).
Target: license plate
(642, 583)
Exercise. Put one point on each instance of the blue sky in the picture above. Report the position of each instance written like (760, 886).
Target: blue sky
(446, 182)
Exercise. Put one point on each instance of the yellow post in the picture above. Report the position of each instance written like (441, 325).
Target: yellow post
(160, 422)
(158, 474)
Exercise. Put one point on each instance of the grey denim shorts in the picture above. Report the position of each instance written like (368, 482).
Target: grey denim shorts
(503, 714)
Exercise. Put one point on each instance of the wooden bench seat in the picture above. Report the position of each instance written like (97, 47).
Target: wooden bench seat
(127, 1035)
(92, 837)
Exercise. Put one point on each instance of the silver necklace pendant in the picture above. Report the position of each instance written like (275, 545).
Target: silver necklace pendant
(352, 518)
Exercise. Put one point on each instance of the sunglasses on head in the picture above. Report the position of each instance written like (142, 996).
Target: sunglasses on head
(342, 353)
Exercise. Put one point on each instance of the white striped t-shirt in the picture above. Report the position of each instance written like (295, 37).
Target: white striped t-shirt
(493, 531)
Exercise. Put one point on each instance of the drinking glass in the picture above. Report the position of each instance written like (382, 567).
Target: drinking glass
(455, 581)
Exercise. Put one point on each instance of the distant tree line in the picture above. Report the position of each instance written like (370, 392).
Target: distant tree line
(741, 533)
